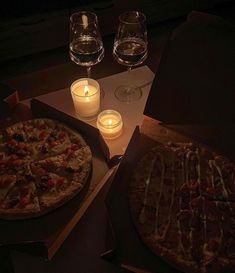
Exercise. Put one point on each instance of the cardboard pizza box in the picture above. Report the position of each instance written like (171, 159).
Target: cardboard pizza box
(124, 245)
(169, 116)
(45, 234)
(193, 89)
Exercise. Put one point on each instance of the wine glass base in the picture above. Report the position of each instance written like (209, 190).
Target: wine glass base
(128, 93)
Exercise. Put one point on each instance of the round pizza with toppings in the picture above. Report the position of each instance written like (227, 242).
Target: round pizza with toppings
(43, 164)
(182, 199)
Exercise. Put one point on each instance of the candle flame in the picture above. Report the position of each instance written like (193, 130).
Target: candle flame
(84, 21)
(110, 122)
(86, 89)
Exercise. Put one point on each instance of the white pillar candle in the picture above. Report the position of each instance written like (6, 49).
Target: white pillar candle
(110, 124)
(86, 97)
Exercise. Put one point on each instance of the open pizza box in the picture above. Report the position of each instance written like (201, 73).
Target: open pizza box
(124, 244)
(45, 234)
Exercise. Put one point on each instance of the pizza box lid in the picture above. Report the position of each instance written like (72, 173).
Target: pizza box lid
(195, 79)
(192, 92)
(123, 245)
(45, 234)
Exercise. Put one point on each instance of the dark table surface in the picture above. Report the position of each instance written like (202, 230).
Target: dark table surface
(47, 72)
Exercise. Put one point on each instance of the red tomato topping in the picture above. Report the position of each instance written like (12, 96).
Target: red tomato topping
(74, 147)
(210, 190)
(29, 129)
(69, 151)
(12, 142)
(64, 164)
(60, 180)
(61, 135)
(40, 171)
(51, 183)
(42, 134)
(4, 182)
(21, 145)
(24, 201)
(194, 186)
(53, 143)
(24, 191)
(17, 162)
(30, 149)
(49, 162)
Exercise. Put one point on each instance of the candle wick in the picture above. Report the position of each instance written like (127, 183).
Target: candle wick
(86, 90)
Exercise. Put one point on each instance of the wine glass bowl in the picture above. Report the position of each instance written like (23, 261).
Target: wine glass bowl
(130, 49)
(86, 46)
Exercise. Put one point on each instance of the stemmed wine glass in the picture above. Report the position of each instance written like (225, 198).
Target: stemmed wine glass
(130, 49)
(86, 46)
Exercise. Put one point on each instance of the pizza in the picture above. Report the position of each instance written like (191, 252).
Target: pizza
(43, 164)
(182, 201)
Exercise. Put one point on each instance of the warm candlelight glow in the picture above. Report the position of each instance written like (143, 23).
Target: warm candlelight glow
(110, 124)
(86, 97)
(84, 21)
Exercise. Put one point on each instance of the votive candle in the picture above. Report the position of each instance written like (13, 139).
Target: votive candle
(86, 97)
(110, 124)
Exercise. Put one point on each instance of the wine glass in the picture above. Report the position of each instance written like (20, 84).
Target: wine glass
(130, 49)
(86, 46)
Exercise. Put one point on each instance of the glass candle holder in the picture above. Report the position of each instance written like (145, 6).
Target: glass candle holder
(86, 97)
(110, 124)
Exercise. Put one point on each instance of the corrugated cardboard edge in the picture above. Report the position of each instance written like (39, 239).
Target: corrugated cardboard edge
(78, 215)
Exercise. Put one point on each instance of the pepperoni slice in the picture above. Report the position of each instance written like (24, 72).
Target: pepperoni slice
(40, 171)
(60, 181)
(4, 182)
(12, 143)
(61, 135)
(42, 135)
(51, 183)
(24, 201)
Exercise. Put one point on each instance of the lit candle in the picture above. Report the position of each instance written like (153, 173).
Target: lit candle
(86, 97)
(110, 124)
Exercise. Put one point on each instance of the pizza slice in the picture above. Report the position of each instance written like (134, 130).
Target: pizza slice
(38, 130)
(55, 144)
(64, 164)
(54, 190)
(60, 177)
(21, 200)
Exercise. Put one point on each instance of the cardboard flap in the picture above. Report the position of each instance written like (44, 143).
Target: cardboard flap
(195, 82)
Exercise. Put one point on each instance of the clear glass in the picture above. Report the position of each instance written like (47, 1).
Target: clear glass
(85, 46)
(130, 49)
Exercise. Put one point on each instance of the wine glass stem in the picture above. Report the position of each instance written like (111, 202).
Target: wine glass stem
(88, 69)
